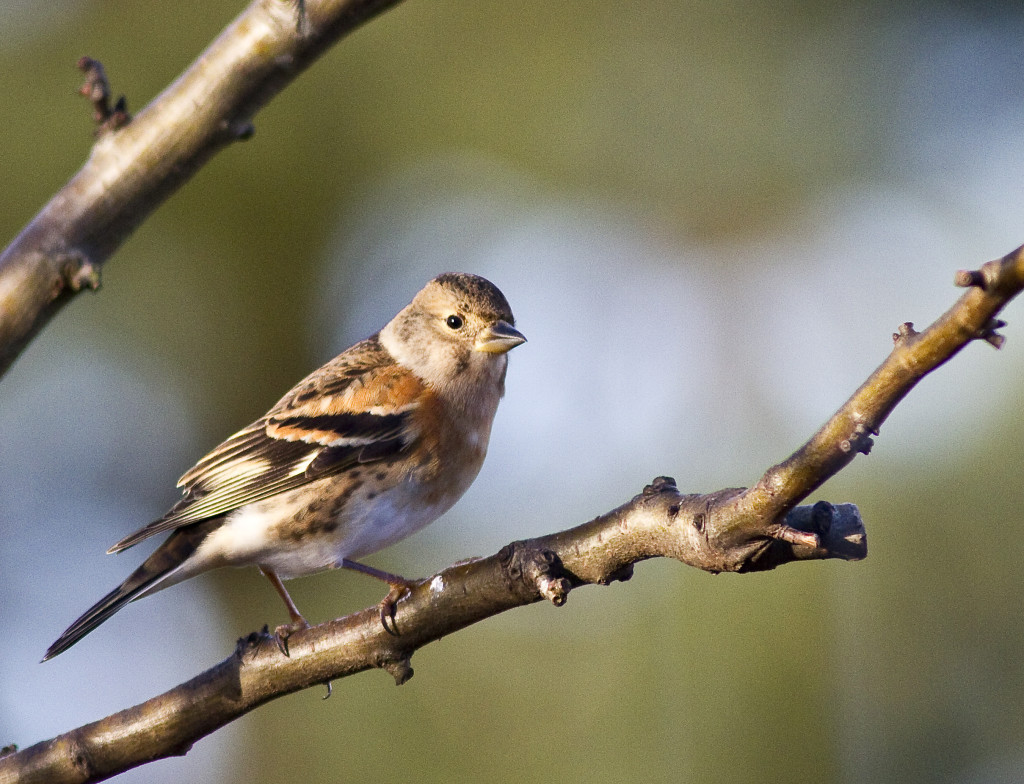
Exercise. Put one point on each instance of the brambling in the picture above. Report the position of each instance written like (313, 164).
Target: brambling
(365, 451)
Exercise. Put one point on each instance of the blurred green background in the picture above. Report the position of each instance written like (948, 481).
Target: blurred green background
(708, 217)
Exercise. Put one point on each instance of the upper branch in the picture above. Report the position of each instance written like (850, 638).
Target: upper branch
(135, 165)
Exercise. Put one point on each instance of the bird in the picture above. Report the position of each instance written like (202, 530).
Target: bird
(364, 451)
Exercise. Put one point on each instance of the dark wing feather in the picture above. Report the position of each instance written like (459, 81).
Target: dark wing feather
(308, 435)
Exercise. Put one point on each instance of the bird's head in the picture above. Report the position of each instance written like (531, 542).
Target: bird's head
(457, 330)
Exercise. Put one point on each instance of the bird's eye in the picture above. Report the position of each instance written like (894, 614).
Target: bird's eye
(453, 321)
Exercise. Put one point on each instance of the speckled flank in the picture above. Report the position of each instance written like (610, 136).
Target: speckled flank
(320, 517)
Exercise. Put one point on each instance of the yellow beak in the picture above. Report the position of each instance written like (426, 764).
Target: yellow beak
(499, 338)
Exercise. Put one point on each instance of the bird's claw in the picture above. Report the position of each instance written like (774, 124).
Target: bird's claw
(286, 630)
(389, 605)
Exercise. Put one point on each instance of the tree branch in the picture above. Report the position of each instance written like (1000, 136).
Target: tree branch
(659, 521)
(135, 165)
(733, 530)
(914, 355)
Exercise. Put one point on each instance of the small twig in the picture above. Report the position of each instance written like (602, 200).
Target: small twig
(915, 354)
(97, 89)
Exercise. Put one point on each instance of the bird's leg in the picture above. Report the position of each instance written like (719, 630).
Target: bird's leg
(283, 632)
(399, 588)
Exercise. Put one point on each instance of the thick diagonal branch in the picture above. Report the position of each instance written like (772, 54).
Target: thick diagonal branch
(134, 167)
(658, 522)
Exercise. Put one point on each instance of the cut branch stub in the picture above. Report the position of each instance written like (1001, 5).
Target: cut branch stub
(537, 570)
(967, 278)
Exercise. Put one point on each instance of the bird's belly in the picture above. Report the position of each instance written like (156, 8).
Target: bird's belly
(302, 533)
(386, 519)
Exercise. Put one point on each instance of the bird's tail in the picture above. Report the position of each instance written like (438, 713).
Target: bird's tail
(157, 571)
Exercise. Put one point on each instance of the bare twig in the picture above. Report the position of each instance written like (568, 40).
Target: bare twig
(914, 355)
(133, 167)
(97, 89)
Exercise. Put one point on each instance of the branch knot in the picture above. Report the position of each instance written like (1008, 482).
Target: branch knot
(539, 569)
(97, 89)
(660, 484)
(399, 668)
(860, 440)
(78, 273)
(904, 333)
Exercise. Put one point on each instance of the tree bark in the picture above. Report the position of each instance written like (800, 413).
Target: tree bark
(659, 521)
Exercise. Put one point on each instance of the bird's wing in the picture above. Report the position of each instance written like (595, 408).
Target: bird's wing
(356, 409)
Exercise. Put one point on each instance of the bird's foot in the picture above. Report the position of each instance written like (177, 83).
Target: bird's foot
(400, 588)
(286, 630)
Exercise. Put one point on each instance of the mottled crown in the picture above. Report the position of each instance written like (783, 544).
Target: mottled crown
(476, 295)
